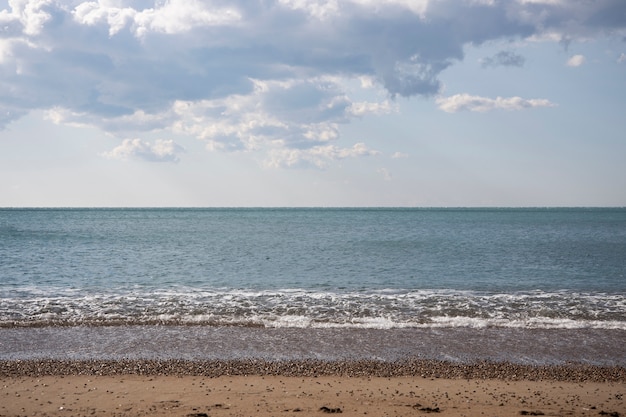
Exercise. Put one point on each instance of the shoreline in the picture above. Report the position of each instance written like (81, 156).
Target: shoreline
(423, 368)
(534, 347)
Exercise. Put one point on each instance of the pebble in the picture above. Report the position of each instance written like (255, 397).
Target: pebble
(311, 368)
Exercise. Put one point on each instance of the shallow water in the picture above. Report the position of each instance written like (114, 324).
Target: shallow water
(524, 346)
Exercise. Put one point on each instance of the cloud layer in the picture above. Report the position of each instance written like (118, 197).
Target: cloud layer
(460, 102)
(160, 151)
(274, 76)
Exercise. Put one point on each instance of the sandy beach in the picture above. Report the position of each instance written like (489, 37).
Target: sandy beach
(142, 388)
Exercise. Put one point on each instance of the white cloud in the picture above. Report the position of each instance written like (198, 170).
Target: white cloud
(160, 151)
(460, 102)
(319, 9)
(576, 61)
(260, 76)
(294, 120)
(363, 108)
(93, 13)
(367, 81)
(622, 58)
(419, 7)
(174, 16)
(183, 15)
(318, 156)
(31, 14)
(398, 155)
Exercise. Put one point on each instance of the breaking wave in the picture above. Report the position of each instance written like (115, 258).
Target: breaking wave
(295, 308)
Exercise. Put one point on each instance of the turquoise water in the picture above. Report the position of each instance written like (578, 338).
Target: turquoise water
(315, 267)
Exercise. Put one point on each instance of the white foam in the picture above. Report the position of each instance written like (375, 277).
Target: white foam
(287, 321)
(298, 308)
(531, 323)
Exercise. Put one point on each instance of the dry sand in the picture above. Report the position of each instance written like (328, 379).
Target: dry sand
(128, 393)
(134, 395)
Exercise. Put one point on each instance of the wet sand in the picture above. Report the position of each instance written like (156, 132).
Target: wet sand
(249, 388)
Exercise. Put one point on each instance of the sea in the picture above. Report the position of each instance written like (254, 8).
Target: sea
(526, 285)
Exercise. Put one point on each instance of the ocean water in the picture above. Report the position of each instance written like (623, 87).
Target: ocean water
(323, 283)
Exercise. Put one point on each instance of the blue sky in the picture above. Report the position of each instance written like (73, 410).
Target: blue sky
(313, 103)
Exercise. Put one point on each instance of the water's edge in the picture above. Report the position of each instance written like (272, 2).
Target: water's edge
(538, 347)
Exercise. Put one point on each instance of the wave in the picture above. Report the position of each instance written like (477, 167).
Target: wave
(297, 308)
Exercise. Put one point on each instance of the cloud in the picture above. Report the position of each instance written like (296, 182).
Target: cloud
(160, 151)
(364, 108)
(575, 61)
(622, 58)
(172, 17)
(317, 156)
(398, 155)
(275, 76)
(30, 15)
(295, 114)
(460, 102)
(504, 59)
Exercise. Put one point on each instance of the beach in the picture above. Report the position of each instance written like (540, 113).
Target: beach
(263, 388)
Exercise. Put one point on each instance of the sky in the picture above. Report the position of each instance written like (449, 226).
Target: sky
(427, 103)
